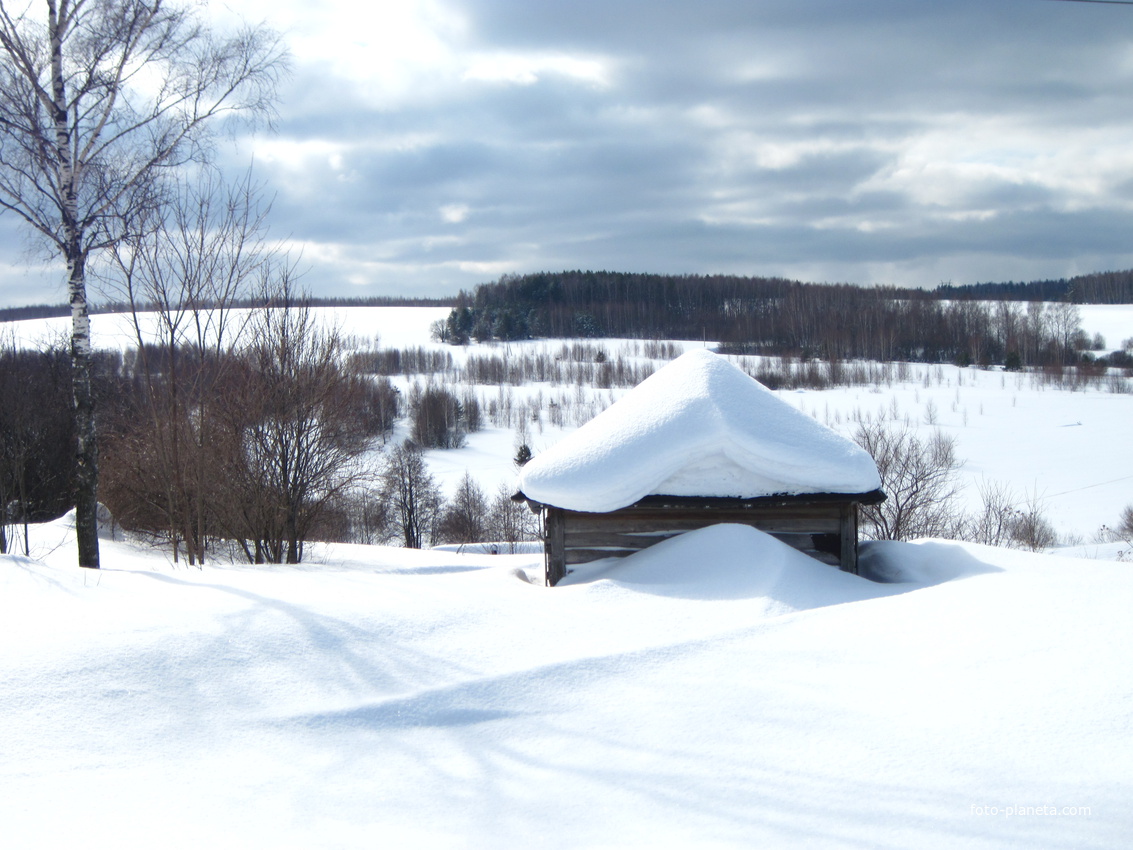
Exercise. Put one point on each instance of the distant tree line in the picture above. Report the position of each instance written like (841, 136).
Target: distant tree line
(770, 316)
(51, 311)
(1095, 288)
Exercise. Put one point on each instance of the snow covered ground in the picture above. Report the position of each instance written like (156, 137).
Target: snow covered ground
(717, 690)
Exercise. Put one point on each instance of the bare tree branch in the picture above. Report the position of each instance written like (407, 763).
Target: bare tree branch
(98, 99)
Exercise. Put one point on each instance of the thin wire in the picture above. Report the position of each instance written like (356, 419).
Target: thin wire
(1127, 477)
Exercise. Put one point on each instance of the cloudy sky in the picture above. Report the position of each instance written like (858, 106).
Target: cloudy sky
(425, 146)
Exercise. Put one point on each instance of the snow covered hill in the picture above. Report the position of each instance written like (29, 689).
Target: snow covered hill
(718, 690)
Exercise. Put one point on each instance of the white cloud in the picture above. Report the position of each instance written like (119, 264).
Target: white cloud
(297, 155)
(527, 69)
(454, 213)
(388, 50)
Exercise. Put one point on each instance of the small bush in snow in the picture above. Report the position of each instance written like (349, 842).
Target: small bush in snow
(919, 480)
(511, 522)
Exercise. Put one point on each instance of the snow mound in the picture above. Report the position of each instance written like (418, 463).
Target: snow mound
(108, 528)
(698, 427)
(923, 561)
(729, 561)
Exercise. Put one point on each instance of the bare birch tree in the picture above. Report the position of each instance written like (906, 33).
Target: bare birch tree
(98, 98)
(203, 254)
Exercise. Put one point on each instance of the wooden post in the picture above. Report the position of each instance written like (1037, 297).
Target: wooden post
(554, 550)
(849, 543)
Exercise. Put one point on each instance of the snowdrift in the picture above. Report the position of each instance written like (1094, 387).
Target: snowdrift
(728, 562)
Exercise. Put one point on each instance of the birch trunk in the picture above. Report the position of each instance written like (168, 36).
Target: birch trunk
(86, 445)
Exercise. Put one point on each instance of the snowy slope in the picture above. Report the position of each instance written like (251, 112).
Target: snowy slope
(716, 690)
(698, 427)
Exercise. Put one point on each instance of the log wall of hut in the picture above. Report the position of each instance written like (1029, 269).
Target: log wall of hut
(824, 527)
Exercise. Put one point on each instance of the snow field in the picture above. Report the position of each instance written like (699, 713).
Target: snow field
(718, 690)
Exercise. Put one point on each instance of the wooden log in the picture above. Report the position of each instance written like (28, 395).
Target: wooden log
(826, 530)
(585, 556)
(627, 523)
(573, 557)
(715, 515)
(611, 537)
(573, 539)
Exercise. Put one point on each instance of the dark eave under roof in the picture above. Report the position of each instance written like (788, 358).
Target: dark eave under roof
(872, 497)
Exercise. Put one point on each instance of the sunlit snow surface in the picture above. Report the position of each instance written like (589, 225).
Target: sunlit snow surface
(716, 690)
(697, 427)
(712, 691)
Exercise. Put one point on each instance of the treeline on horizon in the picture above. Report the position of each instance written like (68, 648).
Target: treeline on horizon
(783, 317)
(51, 311)
(1095, 288)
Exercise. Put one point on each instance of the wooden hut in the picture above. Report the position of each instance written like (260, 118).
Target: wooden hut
(696, 444)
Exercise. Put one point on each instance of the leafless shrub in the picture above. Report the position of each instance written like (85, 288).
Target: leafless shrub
(993, 524)
(464, 519)
(181, 276)
(1117, 384)
(1031, 529)
(660, 350)
(1003, 521)
(919, 480)
(367, 517)
(403, 361)
(1121, 532)
(381, 406)
(1125, 526)
(511, 522)
(292, 438)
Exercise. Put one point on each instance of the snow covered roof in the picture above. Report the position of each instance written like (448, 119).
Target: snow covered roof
(698, 427)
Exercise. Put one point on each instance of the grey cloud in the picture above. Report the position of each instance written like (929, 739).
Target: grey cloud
(27, 275)
(664, 167)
